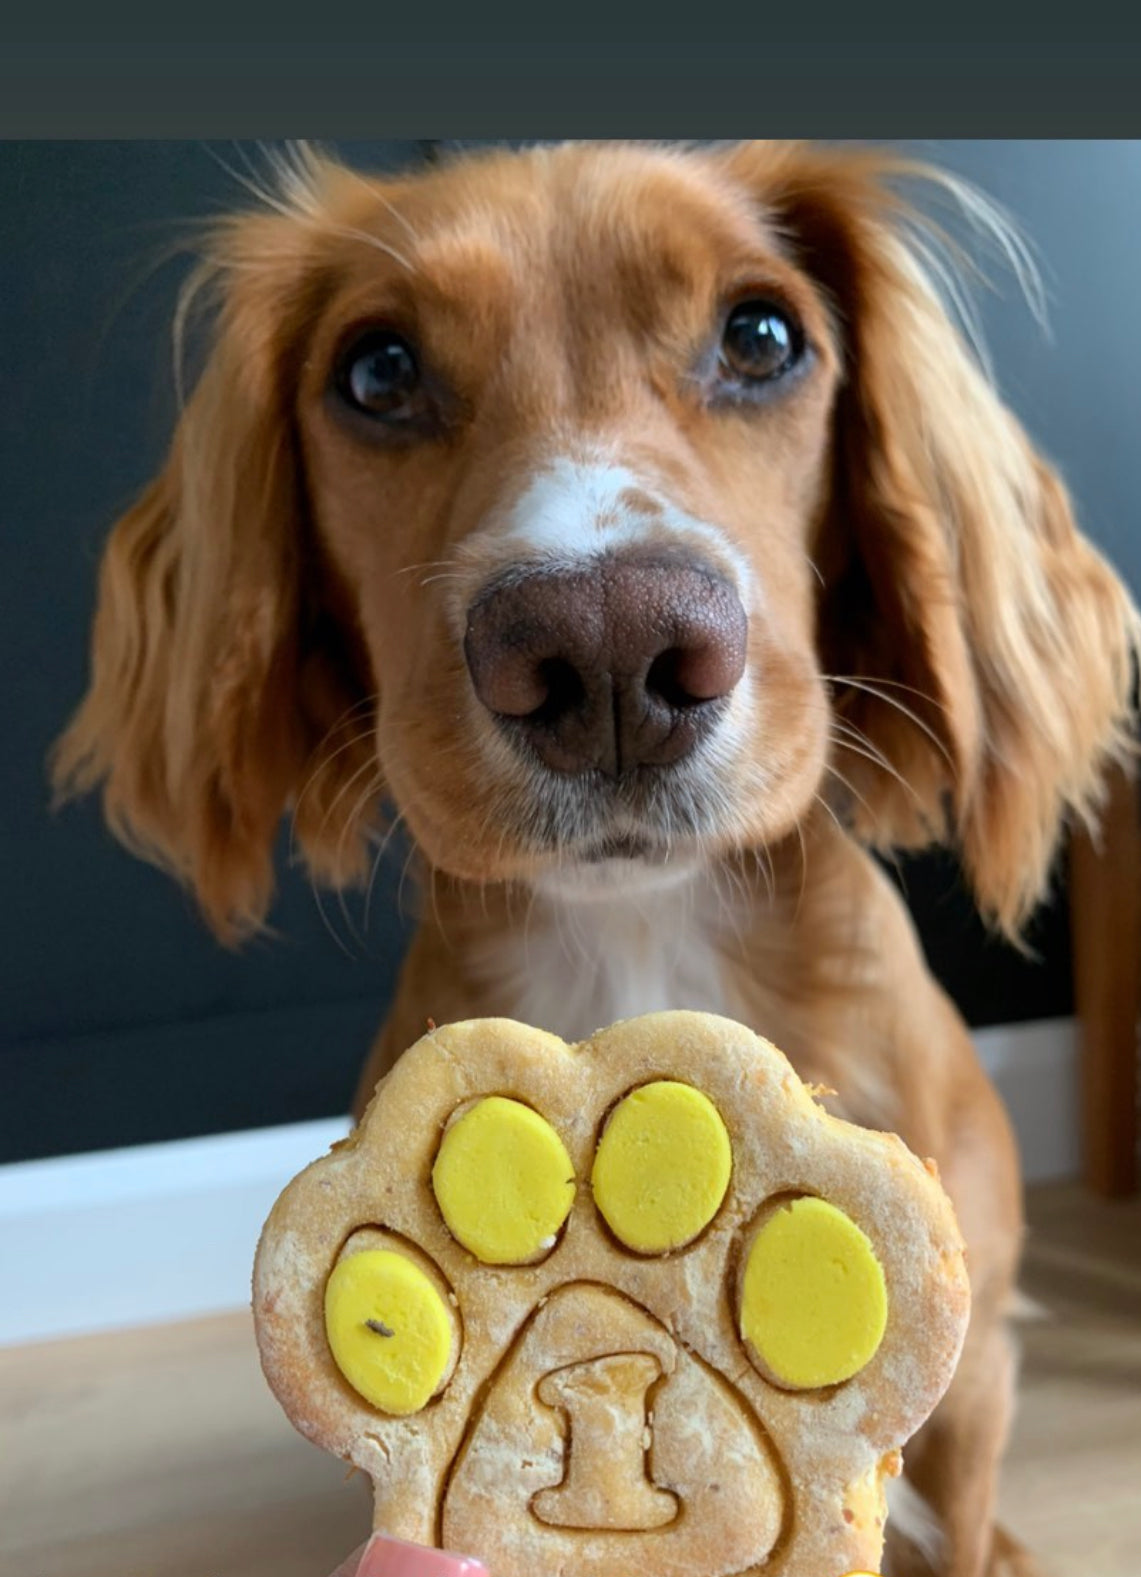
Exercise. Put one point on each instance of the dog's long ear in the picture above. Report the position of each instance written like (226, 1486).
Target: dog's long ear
(958, 586)
(209, 691)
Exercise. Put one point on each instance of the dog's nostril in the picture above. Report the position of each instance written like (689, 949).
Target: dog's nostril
(664, 680)
(564, 689)
(683, 679)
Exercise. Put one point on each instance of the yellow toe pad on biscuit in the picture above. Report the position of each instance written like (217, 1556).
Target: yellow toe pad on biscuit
(813, 1296)
(662, 1167)
(503, 1181)
(389, 1330)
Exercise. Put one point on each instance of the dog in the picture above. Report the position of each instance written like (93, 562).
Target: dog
(637, 521)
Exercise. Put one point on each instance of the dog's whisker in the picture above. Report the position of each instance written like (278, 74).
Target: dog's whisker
(433, 875)
(319, 901)
(803, 870)
(408, 860)
(858, 681)
(885, 766)
(401, 219)
(845, 736)
(382, 849)
(354, 777)
(371, 791)
(821, 800)
(322, 761)
(350, 233)
(769, 872)
(731, 907)
(293, 193)
(320, 907)
(427, 564)
(322, 766)
(874, 689)
(834, 771)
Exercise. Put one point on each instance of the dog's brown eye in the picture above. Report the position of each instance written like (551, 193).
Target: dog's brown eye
(379, 375)
(761, 342)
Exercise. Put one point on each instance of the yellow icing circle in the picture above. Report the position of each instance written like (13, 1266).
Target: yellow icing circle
(389, 1330)
(662, 1167)
(503, 1181)
(813, 1296)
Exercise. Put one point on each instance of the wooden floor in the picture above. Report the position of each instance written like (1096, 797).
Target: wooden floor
(161, 1453)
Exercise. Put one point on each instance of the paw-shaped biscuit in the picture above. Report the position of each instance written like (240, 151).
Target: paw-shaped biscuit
(633, 1308)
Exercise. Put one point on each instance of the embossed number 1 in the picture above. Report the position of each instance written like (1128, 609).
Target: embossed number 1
(606, 1484)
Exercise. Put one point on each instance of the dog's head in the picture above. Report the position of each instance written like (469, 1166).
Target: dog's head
(595, 503)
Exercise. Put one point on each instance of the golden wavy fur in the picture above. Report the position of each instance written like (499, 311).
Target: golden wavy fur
(940, 655)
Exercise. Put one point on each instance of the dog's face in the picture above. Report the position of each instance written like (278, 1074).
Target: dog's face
(605, 506)
(568, 456)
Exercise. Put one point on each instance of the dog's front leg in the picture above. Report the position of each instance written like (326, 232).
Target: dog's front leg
(954, 1462)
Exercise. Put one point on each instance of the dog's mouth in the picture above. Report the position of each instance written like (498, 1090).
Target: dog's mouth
(641, 816)
(589, 831)
(625, 846)
(622, 864)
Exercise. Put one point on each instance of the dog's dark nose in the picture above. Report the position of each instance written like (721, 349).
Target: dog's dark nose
(619, 665)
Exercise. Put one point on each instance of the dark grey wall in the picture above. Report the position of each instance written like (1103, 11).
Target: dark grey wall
(1079, 390)
(121, 1021)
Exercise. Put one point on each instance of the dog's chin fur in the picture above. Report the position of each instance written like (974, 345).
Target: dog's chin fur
(930, 636)
(606, 879)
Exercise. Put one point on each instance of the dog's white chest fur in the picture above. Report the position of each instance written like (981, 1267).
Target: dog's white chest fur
(582, 963)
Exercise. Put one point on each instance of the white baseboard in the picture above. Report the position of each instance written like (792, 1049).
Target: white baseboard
(167, 1231)
(143, 1235)
(1035, 1067)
